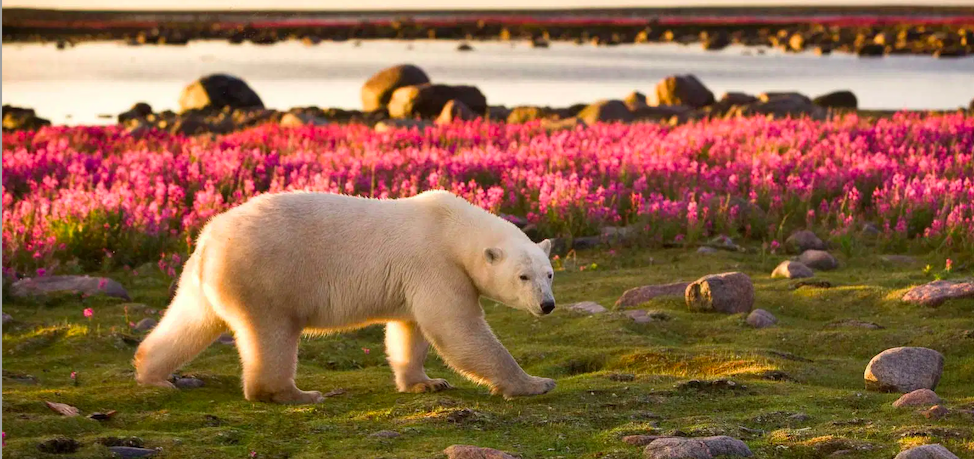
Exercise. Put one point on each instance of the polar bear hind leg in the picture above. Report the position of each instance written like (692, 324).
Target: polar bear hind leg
(269, 355)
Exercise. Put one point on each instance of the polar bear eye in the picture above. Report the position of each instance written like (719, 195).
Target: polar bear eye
(550, 275)
(524, 277)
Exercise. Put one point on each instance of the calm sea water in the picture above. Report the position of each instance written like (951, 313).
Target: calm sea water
(75, 86)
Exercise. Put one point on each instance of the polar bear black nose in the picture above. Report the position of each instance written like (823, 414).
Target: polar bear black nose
(547, 306)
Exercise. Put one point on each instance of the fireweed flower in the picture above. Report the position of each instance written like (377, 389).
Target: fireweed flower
(88, 313)
(948, 265)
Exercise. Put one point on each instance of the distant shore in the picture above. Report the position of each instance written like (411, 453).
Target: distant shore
(866, 31)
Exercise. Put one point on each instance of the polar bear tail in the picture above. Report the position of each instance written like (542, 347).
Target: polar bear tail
(188, 327)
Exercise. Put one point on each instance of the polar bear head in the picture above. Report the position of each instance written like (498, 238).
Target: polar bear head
(518, 273)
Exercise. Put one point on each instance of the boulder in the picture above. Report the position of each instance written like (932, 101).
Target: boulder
(454, 110)
(871, 50)
(780, 107)
(936, 412)
(474, 452)
(696, 448)
(837, 99)
(525, 114)
(818, 259)
(723, 445)
(39, 286)
(737, 98)
(716, 41)
(377, 91)
(919, 397)
(759, 318)
(937, 292)
(428, 100)
(934, 451)
(293, 120)
(606, 111)
(218, 91)
(803, 240)
(558, 125)
(22, 119)
(640, 295)
(635, 101)
(587, 307)
(792, 270)
(498, 113)
(138, 111)
(728, 293)
(681, 90)
(126, 452)
(389, 125)
(904, 369)
(640, 440)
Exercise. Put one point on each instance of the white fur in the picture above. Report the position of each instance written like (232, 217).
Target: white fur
(283, 264)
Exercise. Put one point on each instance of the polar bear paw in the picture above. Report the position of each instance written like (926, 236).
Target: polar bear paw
(298, 397)
(430, 385)
(533, 386)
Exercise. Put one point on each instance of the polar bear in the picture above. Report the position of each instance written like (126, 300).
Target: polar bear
(287, 263)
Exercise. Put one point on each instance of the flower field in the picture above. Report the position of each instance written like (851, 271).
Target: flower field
(89, 197)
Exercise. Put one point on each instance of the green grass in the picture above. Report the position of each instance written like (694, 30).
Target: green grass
(585, 416)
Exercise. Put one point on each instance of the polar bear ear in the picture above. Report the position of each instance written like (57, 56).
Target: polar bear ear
(545, 246)
(493, 255)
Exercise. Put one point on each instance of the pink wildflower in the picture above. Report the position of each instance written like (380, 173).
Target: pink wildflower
(948, 265)
(88, 312)
(41, 272)
(366, 350)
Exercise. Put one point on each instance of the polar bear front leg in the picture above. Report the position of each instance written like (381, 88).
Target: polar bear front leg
(465, 341)
(406, 349)
(269, 354)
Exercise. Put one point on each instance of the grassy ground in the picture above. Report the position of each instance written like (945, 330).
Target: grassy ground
(819, 370)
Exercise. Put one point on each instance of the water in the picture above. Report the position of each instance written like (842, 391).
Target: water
(74, 86)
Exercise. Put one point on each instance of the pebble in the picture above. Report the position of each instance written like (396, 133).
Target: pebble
(803, 240)
(644, 317)
(728, 293)
(937, 292)
(588, 307)
(640, 440)
(706, 249)
(126, 452)
(856, 324)
(227, 339)
(386, 434)
(188, 383)
(145, 325)
(792, 270)
(919, 397)
(474, 452)
(935, 412)
(818, 259)
(904, 369)
(759, 318)
(934, 451)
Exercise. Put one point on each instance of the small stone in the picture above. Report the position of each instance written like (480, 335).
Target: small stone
(798, 418)
(640, 295)
(227, 339)
(706, 249)
(937, 292)
(728, 293)
(145, 325)
(792, 270)
(919, 397)
(935, 412)
(474, 452)
(934, 451)
(904, 369)
(818, 259)
(759, 318)
(188, 383)
(644, 317)
(386, 434)
(803, 240)
(102, 416)
(59, 445)
(725, 446)
(677, 448)
(587, 307)
(126, 452)
(622, 377)
(855, 323)
(86, 285)
(640, 440)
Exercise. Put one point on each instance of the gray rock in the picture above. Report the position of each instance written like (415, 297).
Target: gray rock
(188, 383)
(126, 452)
(726, 446)
(606, 111)
(377, 91)
(677, 448)
(870, 230)
(293, 120)
(218, 91)
(386, 434)
(936, 412)
(427, 100)
(792, 270)
(226, 338)
(640, 295)
(588, 307)
(837, 99)
(937, 292)
(644, 317)
(855, 323)
(728, 293)
(759, 318)
(145, 325)
(681, 90)
(706, 249)
(904, 369)
(474, 452)
(39, 286)
(934, 451)
(818, 259)
(641, 440)
(919, 397)
(798, 417)
(455, 110)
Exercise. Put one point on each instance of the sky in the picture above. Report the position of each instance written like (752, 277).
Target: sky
(433, 4)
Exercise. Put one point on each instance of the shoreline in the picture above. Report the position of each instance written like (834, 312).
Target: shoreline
(942, 32)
